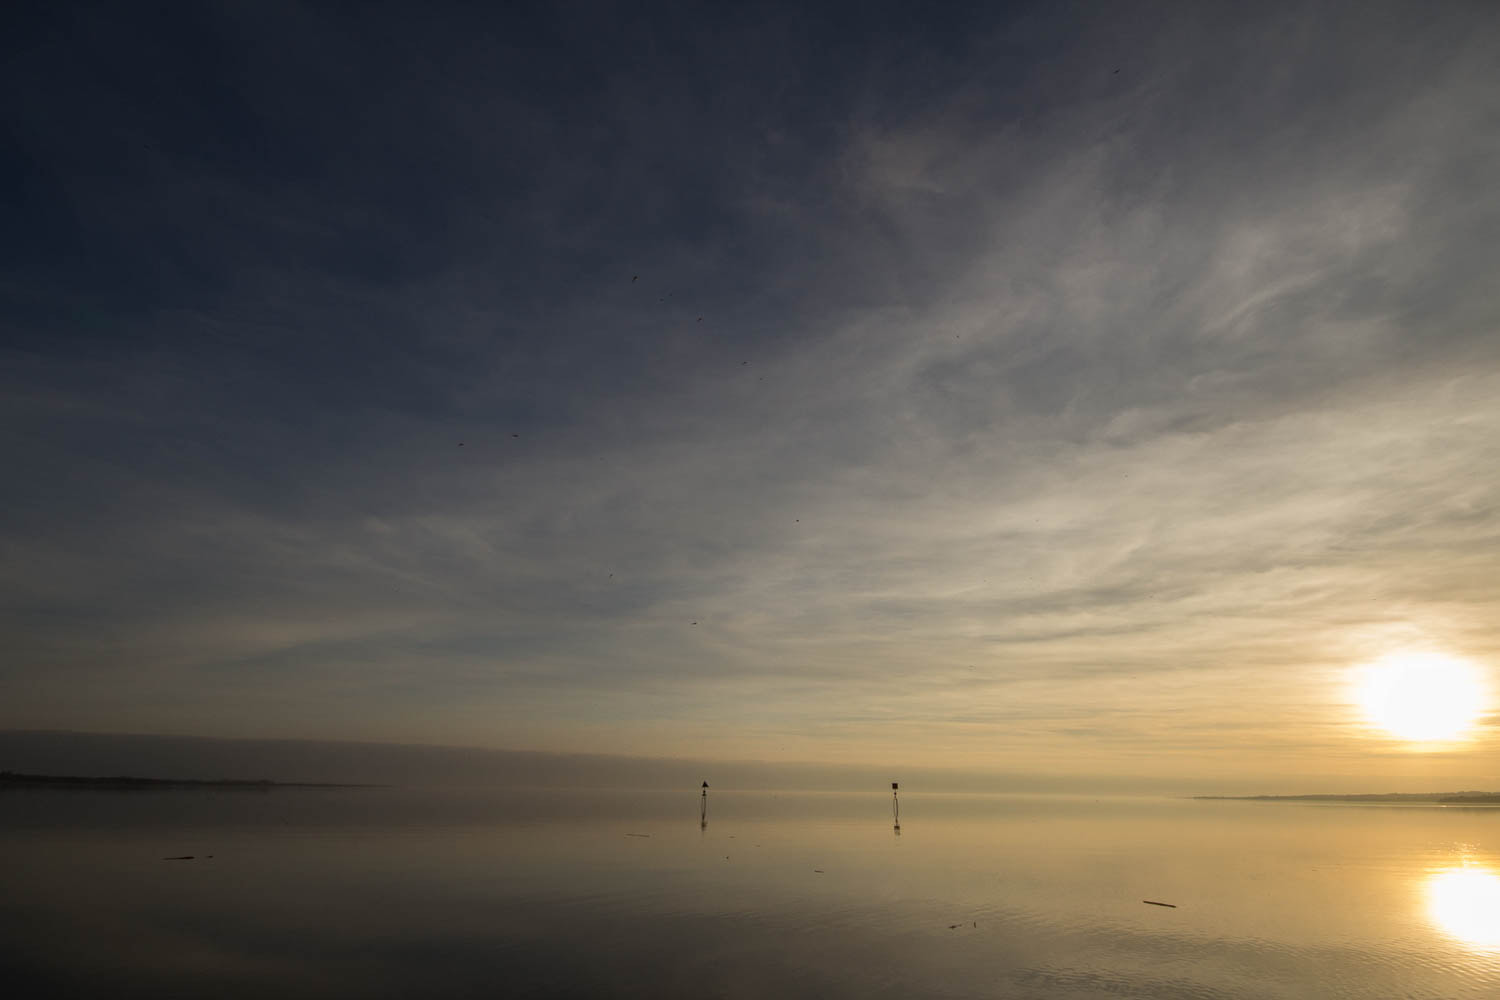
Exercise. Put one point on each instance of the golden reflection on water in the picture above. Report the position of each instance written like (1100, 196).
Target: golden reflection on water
(1465, 904)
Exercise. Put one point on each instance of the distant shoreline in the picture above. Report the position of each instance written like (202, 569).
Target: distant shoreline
(1441, 798)
(12, 779)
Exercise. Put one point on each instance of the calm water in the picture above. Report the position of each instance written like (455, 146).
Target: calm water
(386, 892)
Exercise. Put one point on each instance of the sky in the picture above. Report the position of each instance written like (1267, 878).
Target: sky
(1058, 388)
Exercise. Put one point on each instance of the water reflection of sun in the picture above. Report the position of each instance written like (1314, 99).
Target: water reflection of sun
(1465, 904)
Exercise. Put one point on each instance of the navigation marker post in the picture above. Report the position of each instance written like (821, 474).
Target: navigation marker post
(896, 806)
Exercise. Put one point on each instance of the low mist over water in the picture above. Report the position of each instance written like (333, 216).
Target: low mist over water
(204, 759)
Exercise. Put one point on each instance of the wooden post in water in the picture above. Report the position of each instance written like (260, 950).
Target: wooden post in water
(896, 805)
(703, 810)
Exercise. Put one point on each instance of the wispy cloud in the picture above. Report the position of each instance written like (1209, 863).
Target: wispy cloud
(1060, 412)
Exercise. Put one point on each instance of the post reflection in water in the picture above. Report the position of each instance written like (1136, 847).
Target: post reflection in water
(1465, 904)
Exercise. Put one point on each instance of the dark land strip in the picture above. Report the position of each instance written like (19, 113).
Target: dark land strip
(12, 779)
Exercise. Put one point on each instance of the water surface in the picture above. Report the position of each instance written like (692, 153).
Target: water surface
(398, 892)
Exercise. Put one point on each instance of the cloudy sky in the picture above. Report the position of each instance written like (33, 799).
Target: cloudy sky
(1047, 386)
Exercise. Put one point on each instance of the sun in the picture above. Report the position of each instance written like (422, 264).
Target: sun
(1422, 697)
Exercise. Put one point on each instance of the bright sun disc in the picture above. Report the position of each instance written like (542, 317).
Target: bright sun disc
(1422, 697)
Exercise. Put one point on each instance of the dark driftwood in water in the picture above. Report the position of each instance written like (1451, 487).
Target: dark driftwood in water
(11, 779)
(1152, 902)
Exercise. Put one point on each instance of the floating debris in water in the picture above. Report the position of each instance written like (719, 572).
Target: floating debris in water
(1152, 902)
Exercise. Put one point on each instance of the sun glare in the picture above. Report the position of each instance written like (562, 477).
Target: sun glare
(1465, 903)
(1422, 697)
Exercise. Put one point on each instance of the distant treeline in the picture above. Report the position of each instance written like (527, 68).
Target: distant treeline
(1394, 797)
(13, 779)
